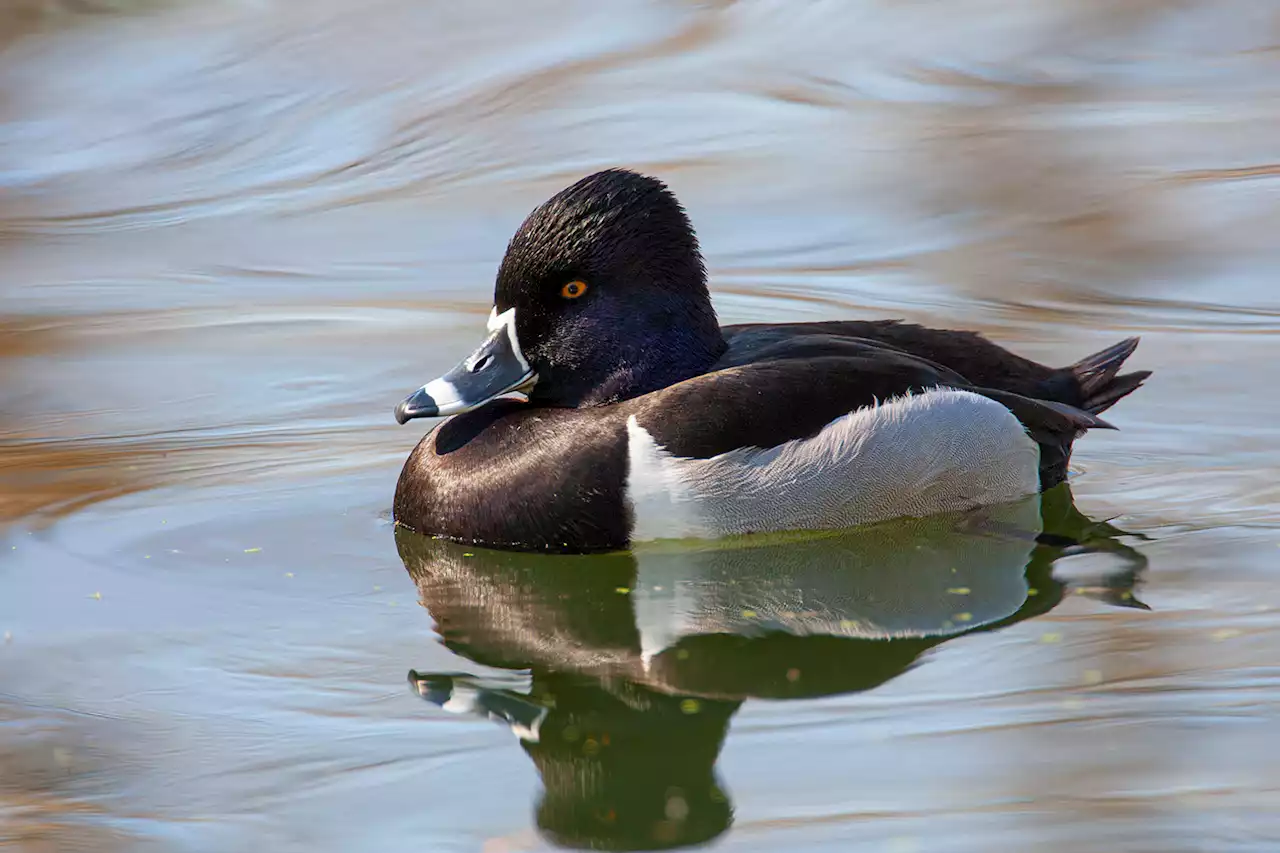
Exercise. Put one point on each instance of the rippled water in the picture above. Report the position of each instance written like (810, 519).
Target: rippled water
(233, 233)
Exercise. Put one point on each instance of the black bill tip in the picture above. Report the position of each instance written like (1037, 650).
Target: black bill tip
(419, 404)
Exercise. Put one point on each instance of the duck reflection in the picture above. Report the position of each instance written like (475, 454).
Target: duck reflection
(639, 659)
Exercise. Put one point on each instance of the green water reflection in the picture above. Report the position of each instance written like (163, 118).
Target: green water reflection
(639, 660)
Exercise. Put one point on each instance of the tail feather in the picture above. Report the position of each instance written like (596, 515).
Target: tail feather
(1053, 426)
(1100, 386)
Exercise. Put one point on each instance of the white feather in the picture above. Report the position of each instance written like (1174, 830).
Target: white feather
(936, 451)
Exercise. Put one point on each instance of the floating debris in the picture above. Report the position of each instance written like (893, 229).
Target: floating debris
(622, 590)
(677, 808)
(252, 550)
(963, 617)
(1051, 637)
(690, 706)
(748, 614)
(1225, 634)
(97, 596)
(1092, 677)
(959, 590)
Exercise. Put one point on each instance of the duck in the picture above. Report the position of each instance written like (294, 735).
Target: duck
(606, 406)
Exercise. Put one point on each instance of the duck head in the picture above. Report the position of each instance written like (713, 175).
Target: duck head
(601, 296)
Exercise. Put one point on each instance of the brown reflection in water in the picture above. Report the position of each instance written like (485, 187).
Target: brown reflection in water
(22, 17)
(54, 463)
(46, 480)
(19, 18)
(43, 781)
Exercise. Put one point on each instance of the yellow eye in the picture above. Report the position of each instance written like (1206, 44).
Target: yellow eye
(573, 289)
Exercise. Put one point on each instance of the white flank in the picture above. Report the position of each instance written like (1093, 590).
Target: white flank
(936, 451)
(663, 505)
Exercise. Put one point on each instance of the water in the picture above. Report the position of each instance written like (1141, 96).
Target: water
(234, 234)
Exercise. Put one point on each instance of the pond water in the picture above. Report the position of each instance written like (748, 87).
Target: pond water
(234, 233)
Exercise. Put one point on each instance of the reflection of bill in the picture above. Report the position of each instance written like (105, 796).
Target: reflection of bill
(622, 768)
(639, 659)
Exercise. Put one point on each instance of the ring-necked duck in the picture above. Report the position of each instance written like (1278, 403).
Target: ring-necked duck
(607, 406)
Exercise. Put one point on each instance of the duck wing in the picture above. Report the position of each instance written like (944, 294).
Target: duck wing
(1093, 384)
(809, 383)
(967, 353)
(768, 403)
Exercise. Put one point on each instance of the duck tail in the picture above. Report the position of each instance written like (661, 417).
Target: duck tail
(1100, 386)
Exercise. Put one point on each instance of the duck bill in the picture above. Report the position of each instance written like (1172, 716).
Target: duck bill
(497, 369)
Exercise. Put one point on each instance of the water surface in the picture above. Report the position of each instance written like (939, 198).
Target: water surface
(234, 234)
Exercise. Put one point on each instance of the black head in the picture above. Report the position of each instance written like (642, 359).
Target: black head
(602, 296)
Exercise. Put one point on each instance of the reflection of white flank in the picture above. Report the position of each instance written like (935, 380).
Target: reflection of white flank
(937, 451)
(933, 577)
(665, 602)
